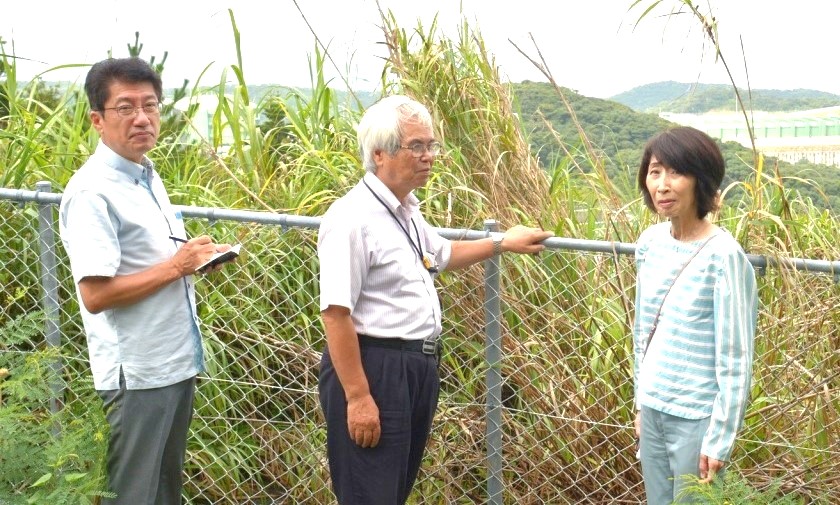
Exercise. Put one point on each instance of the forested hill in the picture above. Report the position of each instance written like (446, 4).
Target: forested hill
(616, 129)
(697, 98)
(619, 133)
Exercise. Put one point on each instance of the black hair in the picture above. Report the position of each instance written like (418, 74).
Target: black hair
(130, 70)
(688, 151)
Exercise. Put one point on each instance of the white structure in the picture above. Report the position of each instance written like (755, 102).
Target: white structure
(813, 135)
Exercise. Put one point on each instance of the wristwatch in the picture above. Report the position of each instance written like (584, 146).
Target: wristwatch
(497, 244)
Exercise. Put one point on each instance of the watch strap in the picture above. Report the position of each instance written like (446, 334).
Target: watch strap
(497, 244)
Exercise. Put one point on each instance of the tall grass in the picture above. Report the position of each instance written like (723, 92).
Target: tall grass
(551, 309)
(566, 320)
(577, 307)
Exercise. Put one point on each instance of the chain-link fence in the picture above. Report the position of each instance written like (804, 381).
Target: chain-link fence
(536, 403)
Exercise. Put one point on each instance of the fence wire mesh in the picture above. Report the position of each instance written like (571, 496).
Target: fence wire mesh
(564, 401)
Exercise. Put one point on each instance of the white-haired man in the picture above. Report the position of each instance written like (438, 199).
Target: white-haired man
(379, 373)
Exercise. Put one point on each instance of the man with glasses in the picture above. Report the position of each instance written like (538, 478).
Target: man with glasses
(378, 382)
(135, 286)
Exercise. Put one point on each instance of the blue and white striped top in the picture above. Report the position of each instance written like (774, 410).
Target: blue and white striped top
(699, 363)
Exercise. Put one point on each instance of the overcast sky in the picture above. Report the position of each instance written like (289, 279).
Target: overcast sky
(593, 46)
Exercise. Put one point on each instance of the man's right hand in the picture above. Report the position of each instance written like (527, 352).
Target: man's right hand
(193, 254)
(363, 424)
(103, 293)
(363, 421)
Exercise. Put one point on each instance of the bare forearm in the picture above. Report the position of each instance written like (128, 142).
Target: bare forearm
(103, 293)
(519, 239)
(343, 345)
(468, 252)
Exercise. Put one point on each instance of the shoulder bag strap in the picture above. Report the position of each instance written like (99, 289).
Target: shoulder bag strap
(658, 312)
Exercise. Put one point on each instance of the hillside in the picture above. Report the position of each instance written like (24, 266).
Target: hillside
(619, 134)
(617, 129)
(697, 98)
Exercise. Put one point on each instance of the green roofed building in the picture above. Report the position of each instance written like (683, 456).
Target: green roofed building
(812, 135)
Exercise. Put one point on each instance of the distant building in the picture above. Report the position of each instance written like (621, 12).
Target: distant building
(812, 135)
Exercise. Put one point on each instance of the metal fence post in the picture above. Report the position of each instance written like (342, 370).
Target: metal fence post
(261, 401)
(49, 283)
(493, 346)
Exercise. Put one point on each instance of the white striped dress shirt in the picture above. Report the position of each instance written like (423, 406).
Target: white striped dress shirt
(368, 265)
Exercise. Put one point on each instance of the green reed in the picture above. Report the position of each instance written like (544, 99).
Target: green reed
(566, 316)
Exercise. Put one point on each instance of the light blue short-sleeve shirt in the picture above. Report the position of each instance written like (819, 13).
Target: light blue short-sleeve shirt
(115, 219)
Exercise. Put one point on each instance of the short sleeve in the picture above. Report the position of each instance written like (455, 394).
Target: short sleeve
(344, 261)
(89, 232)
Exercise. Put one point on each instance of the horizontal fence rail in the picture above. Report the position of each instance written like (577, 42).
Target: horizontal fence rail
(536, 373)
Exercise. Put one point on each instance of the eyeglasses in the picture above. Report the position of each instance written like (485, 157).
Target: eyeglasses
(418, 149)
(149, 109)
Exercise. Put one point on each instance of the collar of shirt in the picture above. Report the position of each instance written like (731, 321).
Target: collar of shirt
(144, 171)
(403, 209)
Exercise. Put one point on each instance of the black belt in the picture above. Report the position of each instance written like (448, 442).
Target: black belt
(430, 346)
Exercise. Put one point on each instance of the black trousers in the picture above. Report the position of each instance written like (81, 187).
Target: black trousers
(405, 386)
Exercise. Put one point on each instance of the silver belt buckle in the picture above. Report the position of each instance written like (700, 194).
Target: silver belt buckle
(430, 346)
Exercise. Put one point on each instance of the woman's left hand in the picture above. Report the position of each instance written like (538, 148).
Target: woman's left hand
(709, 467)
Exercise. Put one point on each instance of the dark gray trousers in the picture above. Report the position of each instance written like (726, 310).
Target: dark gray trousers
(405, 386)
(148, 442)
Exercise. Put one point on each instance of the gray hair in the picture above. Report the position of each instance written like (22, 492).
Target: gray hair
(381, 126)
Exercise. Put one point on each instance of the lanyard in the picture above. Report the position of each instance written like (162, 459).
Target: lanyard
(418, 247)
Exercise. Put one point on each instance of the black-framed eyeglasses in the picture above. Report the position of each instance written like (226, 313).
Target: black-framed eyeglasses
(418, 149)
(149, 109)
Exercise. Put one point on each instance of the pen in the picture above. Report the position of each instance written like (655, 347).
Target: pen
(178, 239)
